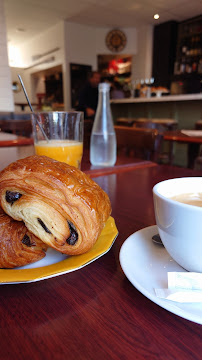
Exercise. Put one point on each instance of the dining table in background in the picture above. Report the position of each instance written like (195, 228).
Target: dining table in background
(193, 139)
(96, 312)
(14, 147)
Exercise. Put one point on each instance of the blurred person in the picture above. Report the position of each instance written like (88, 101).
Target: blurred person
(117, 91)
(88, 97)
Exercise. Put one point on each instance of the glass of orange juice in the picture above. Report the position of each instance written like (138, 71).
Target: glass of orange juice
(59, 135)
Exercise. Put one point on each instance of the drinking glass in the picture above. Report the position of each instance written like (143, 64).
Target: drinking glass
(59, 135)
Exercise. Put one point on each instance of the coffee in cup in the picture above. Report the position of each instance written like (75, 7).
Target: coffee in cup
(190, 199)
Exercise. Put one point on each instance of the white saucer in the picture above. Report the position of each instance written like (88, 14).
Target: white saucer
(146, 265)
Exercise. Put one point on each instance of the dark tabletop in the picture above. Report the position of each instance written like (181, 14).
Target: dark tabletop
(179, 136)
(95, 312)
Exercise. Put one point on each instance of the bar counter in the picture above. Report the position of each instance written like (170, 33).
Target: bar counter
(185, 108)
(164, 98)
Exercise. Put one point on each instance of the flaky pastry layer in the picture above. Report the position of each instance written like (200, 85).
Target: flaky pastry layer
(18, 246)
(58, 203)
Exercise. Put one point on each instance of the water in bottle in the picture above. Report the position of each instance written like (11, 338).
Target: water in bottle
(103, 151)
(103, 137)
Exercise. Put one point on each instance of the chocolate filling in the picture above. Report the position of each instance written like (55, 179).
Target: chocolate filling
(72, 239)
(26, 240)
(73, 234)
(44, 226)
(12, 196)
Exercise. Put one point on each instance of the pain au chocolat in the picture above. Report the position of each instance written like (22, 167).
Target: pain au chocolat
(58, 203)
(18, 246)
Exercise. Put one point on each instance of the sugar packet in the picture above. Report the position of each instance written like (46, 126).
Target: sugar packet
(183, 287)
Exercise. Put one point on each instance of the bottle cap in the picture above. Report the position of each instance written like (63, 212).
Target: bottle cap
(104, 86)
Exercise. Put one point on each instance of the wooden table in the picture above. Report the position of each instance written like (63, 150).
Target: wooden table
(95, 312)
(18, 141)
(193, 142)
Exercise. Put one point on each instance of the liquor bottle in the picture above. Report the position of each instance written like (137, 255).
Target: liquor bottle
(182, 66)
(200, 67)
(103, 137)
(188, 66)
(194, 66)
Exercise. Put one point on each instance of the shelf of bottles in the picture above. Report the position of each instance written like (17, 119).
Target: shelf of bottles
(189, 47)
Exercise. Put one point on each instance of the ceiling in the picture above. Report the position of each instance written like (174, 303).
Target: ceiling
(26, 19)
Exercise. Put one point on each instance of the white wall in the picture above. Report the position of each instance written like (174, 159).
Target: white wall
(81, 44)
(80, 41)
(47, 41)
(80, 48)
(52, 39)
(84, 43)
(6, 95)
(142, 60)
(19, 97)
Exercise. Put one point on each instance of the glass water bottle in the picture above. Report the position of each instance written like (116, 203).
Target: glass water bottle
(103, 137)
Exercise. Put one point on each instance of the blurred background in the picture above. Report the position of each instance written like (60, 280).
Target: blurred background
(54, 46)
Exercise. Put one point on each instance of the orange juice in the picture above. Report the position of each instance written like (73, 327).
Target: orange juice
(68, 151)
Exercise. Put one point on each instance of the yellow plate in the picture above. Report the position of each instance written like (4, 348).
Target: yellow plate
(58, 263)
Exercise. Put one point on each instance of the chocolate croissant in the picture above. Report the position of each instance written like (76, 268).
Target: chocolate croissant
(18, 247)
(58, 203)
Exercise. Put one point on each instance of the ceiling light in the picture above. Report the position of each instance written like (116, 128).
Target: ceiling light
(20, 30)
(156, 16)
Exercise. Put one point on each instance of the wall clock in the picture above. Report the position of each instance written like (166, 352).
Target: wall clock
(116, 40)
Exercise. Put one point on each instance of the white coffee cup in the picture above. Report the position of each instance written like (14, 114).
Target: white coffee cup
(180, 224)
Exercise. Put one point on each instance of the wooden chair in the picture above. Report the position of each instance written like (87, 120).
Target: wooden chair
(88, 125)
(125, 121)
(17, 127)
(139, 142)
(198, 125)
(162, 125)
(197, 149)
